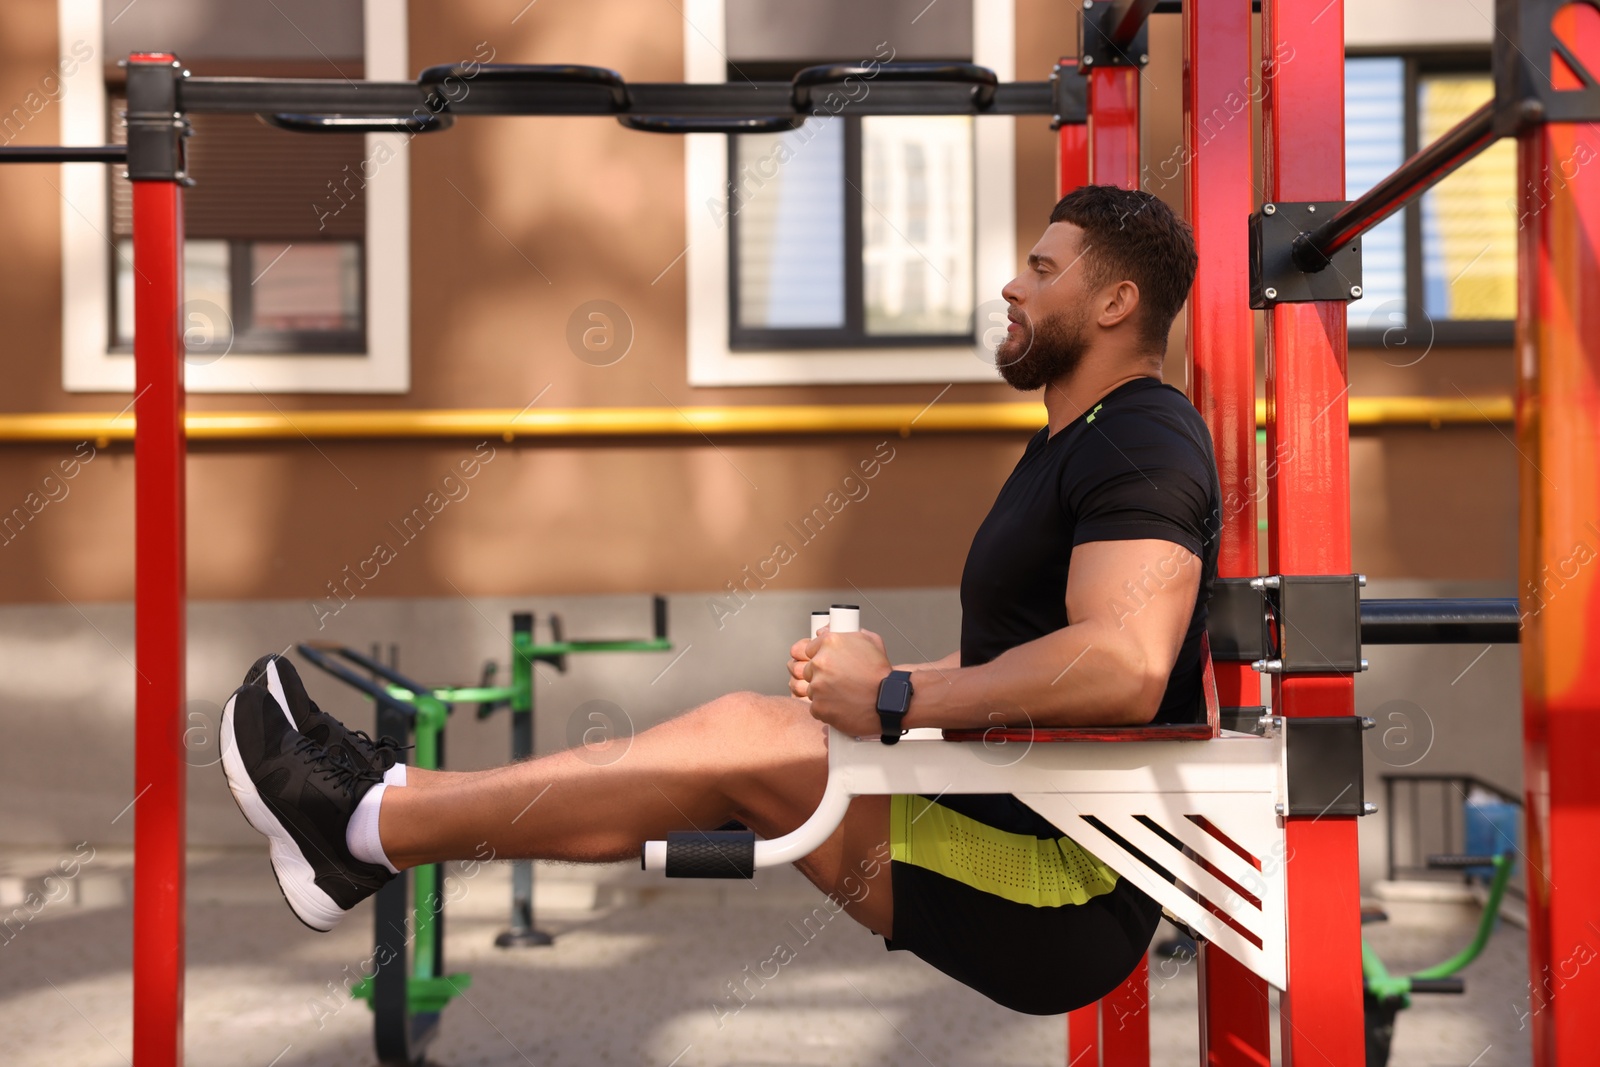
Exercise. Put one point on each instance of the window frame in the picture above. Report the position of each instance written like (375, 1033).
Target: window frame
(1488, 333)
(88, 361)
(713, 360)
(853, 334)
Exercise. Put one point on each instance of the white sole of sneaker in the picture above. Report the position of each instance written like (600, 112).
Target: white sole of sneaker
(296, 879)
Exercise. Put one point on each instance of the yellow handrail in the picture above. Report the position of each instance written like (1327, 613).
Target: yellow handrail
(508, 424)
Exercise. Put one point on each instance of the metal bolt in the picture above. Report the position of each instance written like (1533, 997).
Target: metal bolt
(1269, 209)
(1368, 722)
(1086, 61)
(1361, 580)
(1369, 808)
(1270, 293)
(1311, 208)
(1280, 809)
(1363, 664)
(1144, 57)
(1087, 4)
(1355, 294)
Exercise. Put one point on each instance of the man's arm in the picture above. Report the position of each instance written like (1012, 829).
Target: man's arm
(1129, 604)
(948, 663)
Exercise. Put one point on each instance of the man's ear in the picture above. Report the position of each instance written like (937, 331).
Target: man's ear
(1120, 301)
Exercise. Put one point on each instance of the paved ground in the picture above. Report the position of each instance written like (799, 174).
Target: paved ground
(642, 979)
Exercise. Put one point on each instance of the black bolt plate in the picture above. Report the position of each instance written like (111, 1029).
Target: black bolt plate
(1325, 766)
(1272, 261)
(1319, 623)
(1526, 49)
(1069, 97)
(1236, 621)
(1094, 41)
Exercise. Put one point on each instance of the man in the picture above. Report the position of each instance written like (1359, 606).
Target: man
(1083, 602)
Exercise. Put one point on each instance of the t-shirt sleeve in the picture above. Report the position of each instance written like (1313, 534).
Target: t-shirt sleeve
(1130, 478)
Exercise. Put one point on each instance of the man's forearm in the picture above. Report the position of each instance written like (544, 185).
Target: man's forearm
(948, 663)
(1072, 677)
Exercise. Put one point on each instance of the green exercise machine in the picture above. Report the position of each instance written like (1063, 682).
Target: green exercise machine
(405, 982)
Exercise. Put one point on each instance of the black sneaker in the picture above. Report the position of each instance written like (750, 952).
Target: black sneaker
(301, 797)
(278, 675)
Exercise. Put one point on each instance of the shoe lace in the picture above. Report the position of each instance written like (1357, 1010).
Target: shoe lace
(384, 743)
(335, 766)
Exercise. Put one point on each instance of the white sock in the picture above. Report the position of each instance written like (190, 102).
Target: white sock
(395, 775)
(361, 836)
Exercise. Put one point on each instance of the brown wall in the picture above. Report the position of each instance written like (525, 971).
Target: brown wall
(517, 221)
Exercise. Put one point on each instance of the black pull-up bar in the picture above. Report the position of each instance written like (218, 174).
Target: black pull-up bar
(517, 89)
(89, 153)
(360, 123)
(1448, 621)
(982, 79)
(1470, 136)
(712, 123)
(525, 74)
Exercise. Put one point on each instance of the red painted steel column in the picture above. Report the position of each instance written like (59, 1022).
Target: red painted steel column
(1083, 1036)
(1235, 1014)
(1114, 126)
(1113, 159)
(160, 771)
(1309, 530)
(1125, 1021)
(1558, 435)
(1072, 144)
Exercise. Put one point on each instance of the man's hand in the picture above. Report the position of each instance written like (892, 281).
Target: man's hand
(840, 673)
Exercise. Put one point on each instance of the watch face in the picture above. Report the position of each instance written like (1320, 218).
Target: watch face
(894, 694)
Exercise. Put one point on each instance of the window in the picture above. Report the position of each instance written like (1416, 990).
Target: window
(855, 248)
(1443, 268)
(851, 230)
(296, 271)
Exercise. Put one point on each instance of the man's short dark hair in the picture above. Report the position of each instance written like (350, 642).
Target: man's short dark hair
(1130, 234)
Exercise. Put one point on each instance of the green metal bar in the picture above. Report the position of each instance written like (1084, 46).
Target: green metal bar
(1379, 981)
(463, 694)
(1491, 914)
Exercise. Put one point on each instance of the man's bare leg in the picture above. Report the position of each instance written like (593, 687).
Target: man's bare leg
(759, 759)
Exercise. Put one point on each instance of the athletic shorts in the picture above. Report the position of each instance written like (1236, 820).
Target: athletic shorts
(1036, 924)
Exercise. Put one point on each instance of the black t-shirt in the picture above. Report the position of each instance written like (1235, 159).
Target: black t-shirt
(1136, 465)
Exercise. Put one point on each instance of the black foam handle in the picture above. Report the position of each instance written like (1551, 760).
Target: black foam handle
(660, 604)
(711, 854)
(1438, 985)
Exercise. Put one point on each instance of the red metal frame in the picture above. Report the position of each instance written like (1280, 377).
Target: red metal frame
(1121, 1037)
(1072, 144)
(1235, 1014)
(1558, 436)
(160, 771)
(1125, 1021)
(1113, 127)
(1308, 503)
(1083, 1036)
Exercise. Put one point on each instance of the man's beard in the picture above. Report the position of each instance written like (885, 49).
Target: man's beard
(1056, 347)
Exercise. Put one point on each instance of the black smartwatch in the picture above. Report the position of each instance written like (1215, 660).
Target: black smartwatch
(894, 699)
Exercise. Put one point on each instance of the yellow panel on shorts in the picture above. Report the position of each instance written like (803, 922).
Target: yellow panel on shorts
(1043, 872)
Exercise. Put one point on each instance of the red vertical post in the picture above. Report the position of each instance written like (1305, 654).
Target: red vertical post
(1308, 435)
(1114, 126)
(1558, 436)
(160, 777)
(1235, 1014)
(1072, 142)
(1083, 1036)
(1125, 1021)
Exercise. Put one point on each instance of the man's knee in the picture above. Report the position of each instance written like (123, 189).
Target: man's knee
(778, 721)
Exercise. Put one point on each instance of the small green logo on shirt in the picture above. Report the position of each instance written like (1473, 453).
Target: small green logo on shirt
(1092, 414)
